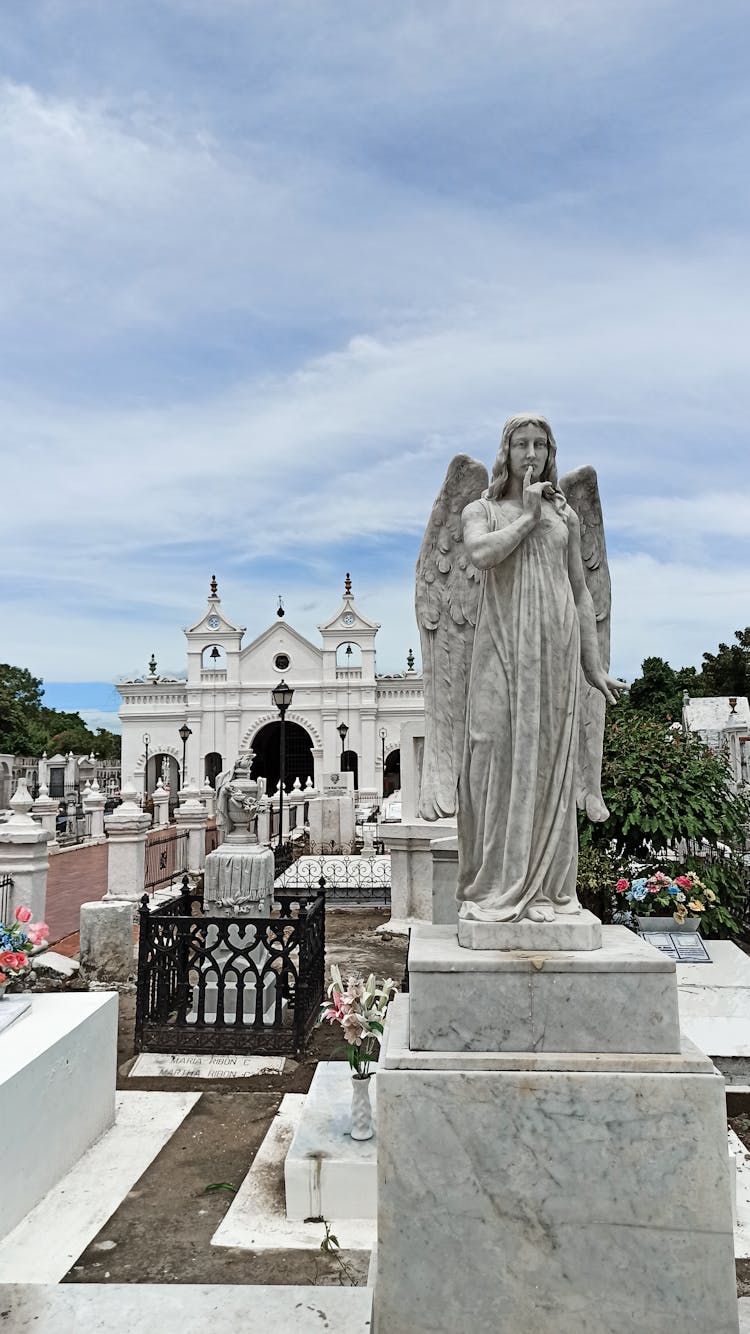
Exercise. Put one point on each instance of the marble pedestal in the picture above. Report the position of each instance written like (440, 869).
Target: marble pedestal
(570, 1189)
(622, 997)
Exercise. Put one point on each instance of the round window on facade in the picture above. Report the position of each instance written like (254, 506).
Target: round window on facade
(281, 662)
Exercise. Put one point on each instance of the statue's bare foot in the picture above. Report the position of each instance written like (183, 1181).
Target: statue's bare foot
(595, 808)
(567, 908)
(540, 912)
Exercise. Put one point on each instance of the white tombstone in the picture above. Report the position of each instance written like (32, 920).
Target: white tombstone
(160, 798)
(127, 831)
(191, 817)
(45, 811)
(93, 804)
(24, 854)
(208, 797)
(107, 952)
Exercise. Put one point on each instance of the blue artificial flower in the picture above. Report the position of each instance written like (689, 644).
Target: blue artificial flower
(640, 884)
(673, 889)
(639, 891)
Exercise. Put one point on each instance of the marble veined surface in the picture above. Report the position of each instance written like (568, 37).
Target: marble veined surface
(548, 1202)
(620, 998)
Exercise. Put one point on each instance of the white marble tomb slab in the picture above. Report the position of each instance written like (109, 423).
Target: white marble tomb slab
(622, 997)
(328, 1174)
(528, 1202)
(13, 1008)
(256, 1219)
(186, 1308)
(150, 1065)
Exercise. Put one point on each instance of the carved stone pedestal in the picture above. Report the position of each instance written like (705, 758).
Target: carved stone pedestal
(548, 1191)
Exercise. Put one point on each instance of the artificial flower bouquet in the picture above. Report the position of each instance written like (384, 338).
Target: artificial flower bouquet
(17, 942)
(682, 896)
(359, 1007)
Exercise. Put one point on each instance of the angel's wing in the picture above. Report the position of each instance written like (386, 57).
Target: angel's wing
(447, 596)
(581, 491)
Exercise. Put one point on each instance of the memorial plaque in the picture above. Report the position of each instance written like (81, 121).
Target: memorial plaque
(682, 948)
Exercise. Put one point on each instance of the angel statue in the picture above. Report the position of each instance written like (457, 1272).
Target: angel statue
(513, 605)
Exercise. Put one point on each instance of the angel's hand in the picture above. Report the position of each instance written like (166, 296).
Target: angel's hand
(609, 686)
(533, 492)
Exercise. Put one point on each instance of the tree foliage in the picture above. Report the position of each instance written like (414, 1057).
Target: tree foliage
(727, 672)
(657, 692)
(666, 789)
(27, 727)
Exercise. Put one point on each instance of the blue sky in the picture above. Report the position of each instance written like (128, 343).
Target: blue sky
(266, 267)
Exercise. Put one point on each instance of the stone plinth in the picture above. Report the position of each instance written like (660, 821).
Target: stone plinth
(551, 1201)
(331, 820)
(327, 1174)
(107, 953)
(621, 998)
(127, 830)
(57, 1093)
(410, 846)
(579, 931)
(24, 854)
(238, 877)
(444, 880)
(192, 819)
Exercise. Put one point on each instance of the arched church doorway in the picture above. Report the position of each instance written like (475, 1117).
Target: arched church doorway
(392, 773)
(297, 753)
(350, 765)
(212, 766)
(166, 768)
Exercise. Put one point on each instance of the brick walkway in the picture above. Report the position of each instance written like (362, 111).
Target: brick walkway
(74, 878)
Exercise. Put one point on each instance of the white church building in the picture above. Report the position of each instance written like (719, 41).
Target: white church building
(343, 715)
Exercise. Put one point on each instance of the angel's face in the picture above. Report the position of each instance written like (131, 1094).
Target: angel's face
(528, 449)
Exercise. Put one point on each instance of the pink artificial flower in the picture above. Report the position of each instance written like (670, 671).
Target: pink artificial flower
(684, 882)
(3, 979)
(621, 886)
(662, 878)
(11, 959)
(37, 933)
(23, 915)
(652, 887)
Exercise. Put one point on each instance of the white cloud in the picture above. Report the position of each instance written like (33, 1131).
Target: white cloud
(254, 303)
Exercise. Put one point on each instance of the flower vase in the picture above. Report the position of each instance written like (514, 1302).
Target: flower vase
(654, 923)
(362, 1127)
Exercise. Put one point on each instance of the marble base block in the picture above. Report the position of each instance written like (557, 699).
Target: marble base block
(551, 1201)
(620, 998)
(583, 931)
(327, 1174)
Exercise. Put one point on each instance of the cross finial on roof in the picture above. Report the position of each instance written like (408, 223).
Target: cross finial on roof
(348, 585)
(214, 587)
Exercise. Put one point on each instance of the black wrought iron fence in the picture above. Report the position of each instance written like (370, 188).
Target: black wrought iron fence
(343, 879)
(166, 858)
(73, 826)
(218, 984)
(6, 898)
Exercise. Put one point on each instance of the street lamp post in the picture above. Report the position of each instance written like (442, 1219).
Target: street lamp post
(185, 732)
(146, 741)
(382, 734)
(342, 730)
(282, 698)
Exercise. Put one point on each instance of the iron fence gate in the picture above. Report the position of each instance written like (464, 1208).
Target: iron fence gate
(166, 858)
(245, 985)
